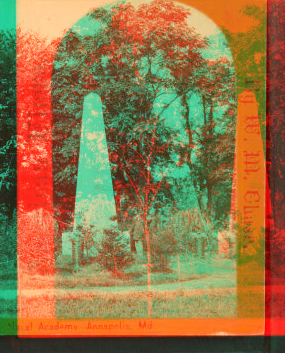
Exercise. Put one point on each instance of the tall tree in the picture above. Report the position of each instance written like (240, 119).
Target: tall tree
(130, 61)
(8, 140)
(216, 143)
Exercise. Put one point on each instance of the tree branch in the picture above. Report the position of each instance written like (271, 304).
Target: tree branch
(156, 190)
(137, 152)
(133, 185)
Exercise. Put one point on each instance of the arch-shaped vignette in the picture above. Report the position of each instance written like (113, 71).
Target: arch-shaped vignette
(91, 85)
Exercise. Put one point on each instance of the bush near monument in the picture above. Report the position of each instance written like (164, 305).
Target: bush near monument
(113, 252)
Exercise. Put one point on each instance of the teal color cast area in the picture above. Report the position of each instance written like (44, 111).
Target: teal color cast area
(8, 164)
(8, 14)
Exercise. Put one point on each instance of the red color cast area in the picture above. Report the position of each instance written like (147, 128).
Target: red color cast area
(35, 205)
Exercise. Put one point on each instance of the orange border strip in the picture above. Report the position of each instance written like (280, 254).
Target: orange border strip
(140, 327)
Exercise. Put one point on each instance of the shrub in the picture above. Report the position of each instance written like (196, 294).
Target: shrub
(163, 244)
(113, 251)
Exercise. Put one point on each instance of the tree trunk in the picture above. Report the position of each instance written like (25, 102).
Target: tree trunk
(118, 203)
(204, 109)
(6, 238)
(188, 130)
(148, 265)
(210, 139)
(132, 242)
(73, 251)
(144, 242)
(209, 203)
(211, 117)
(199, 199)
(81, 251)
(199, 247)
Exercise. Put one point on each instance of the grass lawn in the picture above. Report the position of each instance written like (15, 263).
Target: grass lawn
(8, 278)
(216, 305)
(191, 268)
(8, 308)
(8, 284)
(167, 300)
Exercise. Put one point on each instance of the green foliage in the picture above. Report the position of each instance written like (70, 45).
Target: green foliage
(216, 142)
(8, 177)
(86, 235)
(250, 250)
(130, 69)
(114, 253)
(8, 152)
(166, 240)
(132, 60)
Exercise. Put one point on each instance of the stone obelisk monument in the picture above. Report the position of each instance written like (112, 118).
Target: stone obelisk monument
(95, 203)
